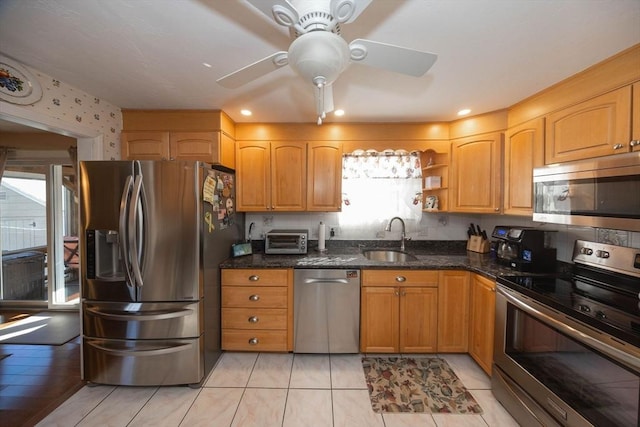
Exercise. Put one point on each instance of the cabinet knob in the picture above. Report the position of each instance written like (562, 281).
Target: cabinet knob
(403, 293)
(254, 297)
(253, 341)
(253, 319)
(401, 279)
(618, 146)
(497, 209)
(254, 278)
(634, 143)
(397, 293)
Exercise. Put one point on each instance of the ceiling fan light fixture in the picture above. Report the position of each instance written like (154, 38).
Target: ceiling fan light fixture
(284, 16)
(319, 54)
(342, 10)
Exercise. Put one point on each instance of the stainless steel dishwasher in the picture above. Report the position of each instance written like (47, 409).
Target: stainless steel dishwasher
(326, 311)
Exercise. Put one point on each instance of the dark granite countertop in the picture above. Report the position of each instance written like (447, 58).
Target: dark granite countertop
(431, 255)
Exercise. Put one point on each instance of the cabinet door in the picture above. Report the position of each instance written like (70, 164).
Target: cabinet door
(145, 145)
(453, 311)
(523, 151)
(635, 121)
(288, 176)
(379, 324)
(483, 304)
(253, 178)
(201, 146)
(598, 127)
(324, 176)
(476, 174)
(418, 320)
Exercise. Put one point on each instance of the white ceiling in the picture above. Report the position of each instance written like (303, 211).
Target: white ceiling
(148, 54)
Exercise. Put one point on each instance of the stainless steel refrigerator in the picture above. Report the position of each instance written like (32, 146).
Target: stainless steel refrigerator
(154, 234)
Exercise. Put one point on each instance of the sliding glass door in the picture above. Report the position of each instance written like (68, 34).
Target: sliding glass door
(39, 239)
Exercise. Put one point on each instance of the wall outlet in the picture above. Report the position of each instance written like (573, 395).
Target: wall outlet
(334, 231)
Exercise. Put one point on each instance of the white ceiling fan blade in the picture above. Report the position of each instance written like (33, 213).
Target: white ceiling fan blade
(285, 8)
(390, 57)
(340, 8)
(253, 71)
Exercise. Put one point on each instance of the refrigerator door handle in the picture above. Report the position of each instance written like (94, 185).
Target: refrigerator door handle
(133, 230)
(124, 247)
(154, 352)
(140, 316)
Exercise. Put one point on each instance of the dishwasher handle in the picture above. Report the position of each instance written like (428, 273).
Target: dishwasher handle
(312, 281)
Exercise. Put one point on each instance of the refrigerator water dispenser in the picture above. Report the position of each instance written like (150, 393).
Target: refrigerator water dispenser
(104, 260)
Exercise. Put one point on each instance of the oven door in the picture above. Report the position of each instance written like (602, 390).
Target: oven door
(553, 370)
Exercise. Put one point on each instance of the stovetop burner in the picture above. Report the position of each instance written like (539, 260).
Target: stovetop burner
(603, 290)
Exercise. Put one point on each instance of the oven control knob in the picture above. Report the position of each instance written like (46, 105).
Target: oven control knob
(586, 251)
(601, 315)
(584, 308)
(602, 254)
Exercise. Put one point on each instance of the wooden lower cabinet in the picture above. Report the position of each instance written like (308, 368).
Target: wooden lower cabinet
(257, 309)
(399, 311)
(453, 311)
(482, 321)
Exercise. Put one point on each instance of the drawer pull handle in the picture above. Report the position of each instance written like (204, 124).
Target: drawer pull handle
(253, 319)
(401, 279)
(634, 143)
(254, 297)
(253, 341)
(618, 146)
(254, 278)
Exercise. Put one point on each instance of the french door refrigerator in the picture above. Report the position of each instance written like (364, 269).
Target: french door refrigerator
(154, 234)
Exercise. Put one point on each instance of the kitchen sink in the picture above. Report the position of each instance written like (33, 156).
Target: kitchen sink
(388, 255)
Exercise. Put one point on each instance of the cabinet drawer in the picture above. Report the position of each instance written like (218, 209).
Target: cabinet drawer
(251, 277)
(254, 318)
(258, 340)
(254, 297)
(422, 278)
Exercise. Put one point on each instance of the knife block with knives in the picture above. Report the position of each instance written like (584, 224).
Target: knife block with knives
(478, 241)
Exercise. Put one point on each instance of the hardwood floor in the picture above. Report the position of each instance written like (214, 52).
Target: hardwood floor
(35, 379)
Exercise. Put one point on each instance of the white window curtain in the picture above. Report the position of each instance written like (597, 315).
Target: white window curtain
(378, 186)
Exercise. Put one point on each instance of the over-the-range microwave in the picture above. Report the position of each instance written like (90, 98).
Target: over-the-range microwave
(603, 192)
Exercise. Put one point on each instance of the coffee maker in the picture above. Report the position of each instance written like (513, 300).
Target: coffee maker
(524, 248)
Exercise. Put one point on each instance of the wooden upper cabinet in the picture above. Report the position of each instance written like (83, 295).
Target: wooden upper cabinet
(324, 176)
(271, 176)
(288, 176)
(635, 119)
(476, 164)
(145, 145)
(523, 151)
(253, 177)
(598, 127)
(210, 147)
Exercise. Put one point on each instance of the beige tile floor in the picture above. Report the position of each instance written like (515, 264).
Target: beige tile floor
(266, 389)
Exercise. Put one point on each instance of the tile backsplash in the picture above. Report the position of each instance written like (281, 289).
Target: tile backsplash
(433, 226)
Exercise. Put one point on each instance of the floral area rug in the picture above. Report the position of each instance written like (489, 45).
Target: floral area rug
(409, 384)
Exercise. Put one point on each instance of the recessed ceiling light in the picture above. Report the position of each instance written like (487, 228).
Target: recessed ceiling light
(206, 64)
(464, 112)
(245, 112)
(338, 113)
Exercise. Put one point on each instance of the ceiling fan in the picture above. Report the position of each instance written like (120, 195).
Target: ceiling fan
(318, 52)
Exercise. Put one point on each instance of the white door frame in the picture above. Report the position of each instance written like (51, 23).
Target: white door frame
(89, 142)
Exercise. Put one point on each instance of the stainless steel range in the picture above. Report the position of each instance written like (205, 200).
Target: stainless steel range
(567, 349)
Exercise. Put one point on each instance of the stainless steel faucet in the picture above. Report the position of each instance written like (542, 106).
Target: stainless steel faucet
(402, 235)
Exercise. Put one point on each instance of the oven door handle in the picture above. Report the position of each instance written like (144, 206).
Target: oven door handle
(630, 360)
